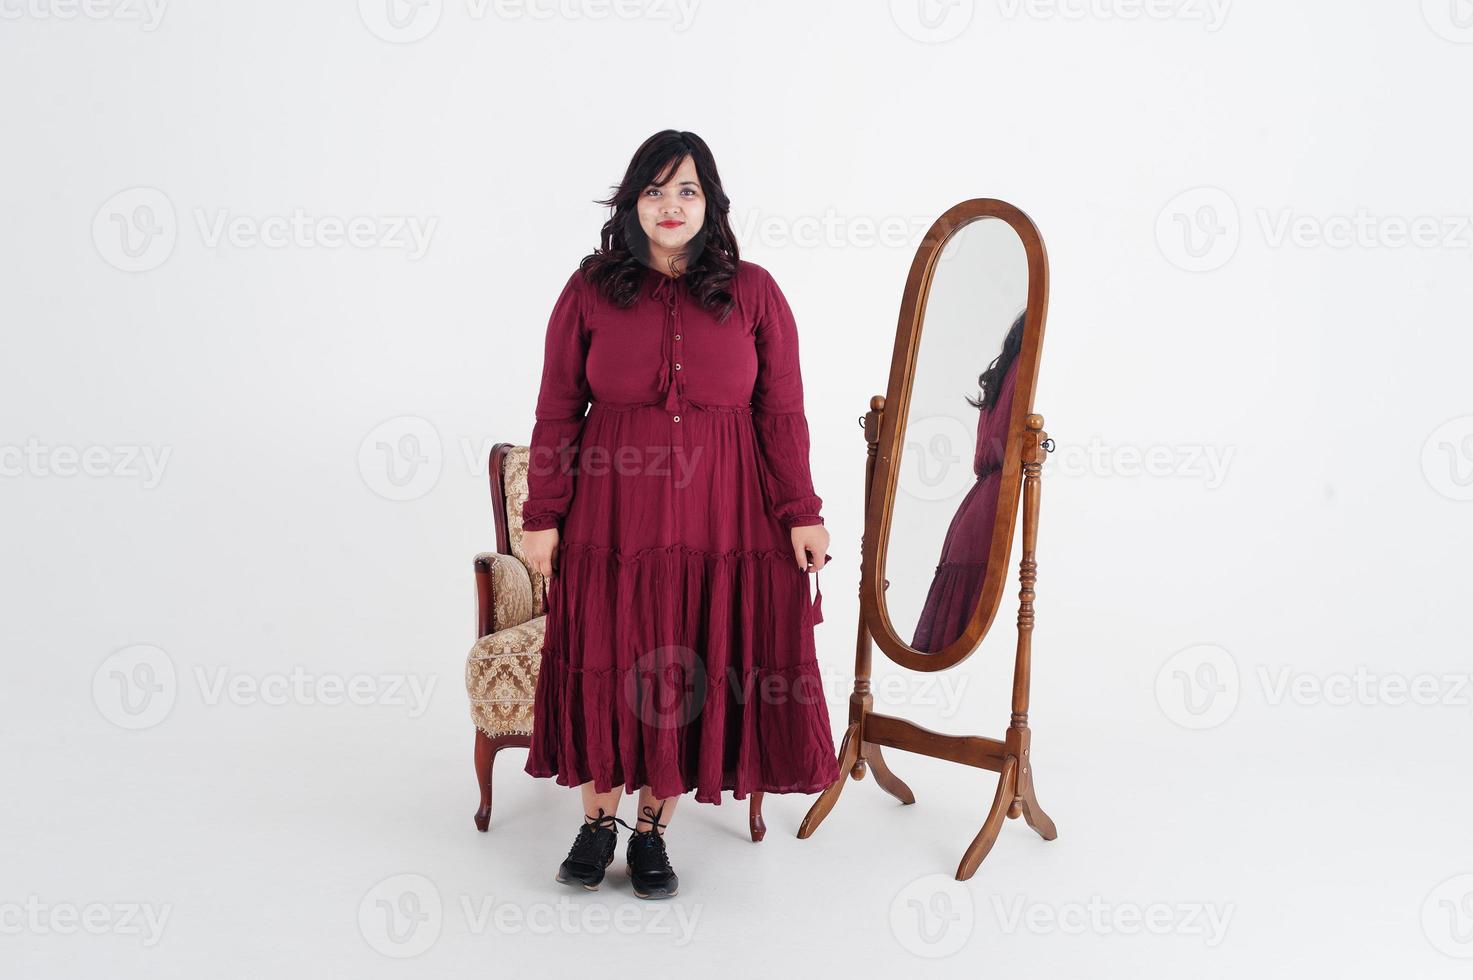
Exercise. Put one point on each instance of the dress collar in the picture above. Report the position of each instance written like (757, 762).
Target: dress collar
(663, 287)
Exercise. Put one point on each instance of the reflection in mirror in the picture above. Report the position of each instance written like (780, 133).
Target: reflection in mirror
(957, 432)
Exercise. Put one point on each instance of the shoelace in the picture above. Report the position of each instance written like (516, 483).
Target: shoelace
(583, 848)
(650, 843)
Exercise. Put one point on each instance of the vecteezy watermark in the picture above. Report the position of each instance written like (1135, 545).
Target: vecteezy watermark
(1447, 458)
(408, 233)
(1098, 917)
(400, 21)
(1282, 684)
(401, 916)
(831, 229)
(125, 462)
(1451, 20)
(1199, 229)
(38, 918)
(137, 687)
(933, 916)
(1211, 13)
(666, 687)
(404, 915)
(1176, 461)
(301, 687)
(1447, 917)
(660, 461)
(148, 14)
(932, 21)
(407, 21)
(942, 690)
(1365, 230)
(401, 458)
(937, 461)
(136, 230)
(1199, 687)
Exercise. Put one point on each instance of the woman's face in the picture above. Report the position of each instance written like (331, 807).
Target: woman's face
(672, 214)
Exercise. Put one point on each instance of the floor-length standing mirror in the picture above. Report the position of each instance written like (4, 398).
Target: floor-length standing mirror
(953, 450)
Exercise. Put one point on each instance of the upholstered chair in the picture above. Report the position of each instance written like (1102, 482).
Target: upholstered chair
(501, 670)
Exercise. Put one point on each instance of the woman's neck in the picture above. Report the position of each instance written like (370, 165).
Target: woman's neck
(662, 264)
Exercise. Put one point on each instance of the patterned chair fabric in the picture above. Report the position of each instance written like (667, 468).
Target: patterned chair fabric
(501, 669)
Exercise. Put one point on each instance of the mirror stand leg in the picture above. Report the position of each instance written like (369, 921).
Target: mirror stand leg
(987, 836)
(853, 750)
(1033, 815)
(887, 780)
(848, 753)
(1025, 801)
(1020, 737)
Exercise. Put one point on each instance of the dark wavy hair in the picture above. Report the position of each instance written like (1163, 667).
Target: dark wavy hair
(617, 267)
(990, 380)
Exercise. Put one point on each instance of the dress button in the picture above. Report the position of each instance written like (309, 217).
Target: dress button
(677, 418)
(677, 365)
(677, 336)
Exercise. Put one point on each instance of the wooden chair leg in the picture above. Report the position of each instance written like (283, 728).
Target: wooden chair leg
(485, 755)
(486, 749)
(759, 829)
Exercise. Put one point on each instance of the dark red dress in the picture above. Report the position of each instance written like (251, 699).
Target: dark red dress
(957, 584)
(679, 648)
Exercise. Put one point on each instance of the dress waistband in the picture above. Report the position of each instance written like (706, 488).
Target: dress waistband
(687, 404)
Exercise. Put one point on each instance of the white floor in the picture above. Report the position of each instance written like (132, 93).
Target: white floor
(319, 841)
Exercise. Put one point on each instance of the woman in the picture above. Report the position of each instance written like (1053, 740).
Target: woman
(962, 567)
(677, 522)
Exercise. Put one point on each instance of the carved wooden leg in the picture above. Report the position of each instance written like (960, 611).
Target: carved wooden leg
(759, 828)
(889, 782)
(848, 753)
(485, 754)
(982, 843)
(1033, 814)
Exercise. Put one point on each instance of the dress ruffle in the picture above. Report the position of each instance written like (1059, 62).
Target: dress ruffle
(696, 691)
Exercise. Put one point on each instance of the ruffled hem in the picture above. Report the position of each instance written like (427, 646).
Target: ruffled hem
(671, 669)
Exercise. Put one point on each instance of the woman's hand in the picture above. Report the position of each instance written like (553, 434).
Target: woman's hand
(540, 547)
(814, 540)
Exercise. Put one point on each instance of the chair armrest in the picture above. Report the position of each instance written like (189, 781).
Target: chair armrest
(503, 593)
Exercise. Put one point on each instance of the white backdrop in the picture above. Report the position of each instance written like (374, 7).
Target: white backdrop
(276, 276)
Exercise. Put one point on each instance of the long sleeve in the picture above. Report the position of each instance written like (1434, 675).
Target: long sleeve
(777, 411)
(562, 403)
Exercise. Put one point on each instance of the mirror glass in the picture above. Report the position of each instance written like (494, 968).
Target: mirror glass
(949, 468)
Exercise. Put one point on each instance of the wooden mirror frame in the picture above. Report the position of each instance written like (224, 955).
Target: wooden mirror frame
(869, 732)
(880, 512)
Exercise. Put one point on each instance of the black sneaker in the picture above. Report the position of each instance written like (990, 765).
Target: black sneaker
(592, 852)
(648, 866)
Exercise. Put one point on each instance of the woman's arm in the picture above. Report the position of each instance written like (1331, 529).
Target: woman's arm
(561, 406)
(777, 410)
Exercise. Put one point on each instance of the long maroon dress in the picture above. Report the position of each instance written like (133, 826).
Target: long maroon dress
(957, 584)
(679, 649)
